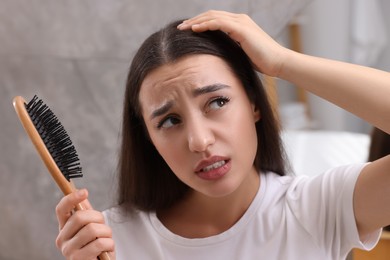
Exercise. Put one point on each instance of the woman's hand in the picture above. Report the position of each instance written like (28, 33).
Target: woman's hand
(265, 53)
(83, 234)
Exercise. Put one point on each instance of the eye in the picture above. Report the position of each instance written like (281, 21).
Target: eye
(218, 103)
(168, 122)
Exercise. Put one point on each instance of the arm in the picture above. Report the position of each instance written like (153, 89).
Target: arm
(362, 91)
(366, 93)
(372, 197)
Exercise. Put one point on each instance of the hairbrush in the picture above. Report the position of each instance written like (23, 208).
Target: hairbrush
(52, 143)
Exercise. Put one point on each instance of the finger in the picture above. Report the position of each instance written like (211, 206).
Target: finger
(91, 232)
(203, 19)
(214, 25)
(100, 245)
(211, 14)
(231, 25)
(67, 204)
(227, 26)
(86, 235)
(77, 222)
(86, 204)
(95, 248)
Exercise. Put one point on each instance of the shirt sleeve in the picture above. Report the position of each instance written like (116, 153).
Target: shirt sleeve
(324, 206)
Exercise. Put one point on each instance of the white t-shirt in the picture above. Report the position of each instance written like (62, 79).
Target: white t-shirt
(290, 218)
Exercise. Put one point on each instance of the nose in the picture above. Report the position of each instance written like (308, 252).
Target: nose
(200, 134)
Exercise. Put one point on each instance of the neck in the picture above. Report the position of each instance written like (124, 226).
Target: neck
(198, 215)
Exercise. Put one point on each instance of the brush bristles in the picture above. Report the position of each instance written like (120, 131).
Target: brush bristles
(55, 137)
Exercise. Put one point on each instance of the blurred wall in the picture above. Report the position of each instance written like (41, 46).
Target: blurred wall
(329, 29)
(384, 59)
(75, 55)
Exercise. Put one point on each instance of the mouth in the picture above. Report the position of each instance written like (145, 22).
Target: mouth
(213, 168)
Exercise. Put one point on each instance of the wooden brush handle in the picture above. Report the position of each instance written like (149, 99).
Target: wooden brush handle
(66, 186)
(104, 256)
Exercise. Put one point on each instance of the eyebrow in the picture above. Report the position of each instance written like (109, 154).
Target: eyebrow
(161, 110)
(196, 92)
(209, 88)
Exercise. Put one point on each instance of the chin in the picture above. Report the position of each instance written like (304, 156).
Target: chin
(222, 189)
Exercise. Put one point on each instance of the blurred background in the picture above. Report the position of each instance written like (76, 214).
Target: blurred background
(75, 56)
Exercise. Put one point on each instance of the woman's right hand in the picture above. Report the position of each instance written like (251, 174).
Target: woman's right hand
(83, 233)
(265, 53)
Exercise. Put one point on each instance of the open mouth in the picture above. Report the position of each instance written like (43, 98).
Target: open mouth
(215, 170)
(214, 166)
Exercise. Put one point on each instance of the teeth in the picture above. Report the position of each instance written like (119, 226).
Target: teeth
(213, 166)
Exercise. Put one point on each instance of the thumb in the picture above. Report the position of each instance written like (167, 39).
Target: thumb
(85, 204)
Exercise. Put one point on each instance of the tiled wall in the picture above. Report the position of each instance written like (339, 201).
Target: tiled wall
(75, 55)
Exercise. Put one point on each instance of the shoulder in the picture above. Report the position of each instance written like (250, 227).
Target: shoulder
(119, 217)
(321, 205)
(347, 173)
(333, 182)
(130, 230)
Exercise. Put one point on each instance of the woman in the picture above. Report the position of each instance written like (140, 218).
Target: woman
(207, 180)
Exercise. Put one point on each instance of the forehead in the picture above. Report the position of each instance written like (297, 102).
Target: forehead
(192, 67)
(193, 71)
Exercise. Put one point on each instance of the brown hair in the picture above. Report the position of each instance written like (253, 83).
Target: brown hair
(145, 180)
(380, 144)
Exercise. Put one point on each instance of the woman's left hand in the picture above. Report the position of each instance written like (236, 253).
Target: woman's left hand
(265, 53)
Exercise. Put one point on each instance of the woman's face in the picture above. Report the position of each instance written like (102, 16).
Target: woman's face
(202, 123)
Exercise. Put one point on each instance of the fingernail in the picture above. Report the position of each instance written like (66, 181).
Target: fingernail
(183, 25)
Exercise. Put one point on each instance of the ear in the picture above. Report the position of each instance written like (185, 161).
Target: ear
(256, 113)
